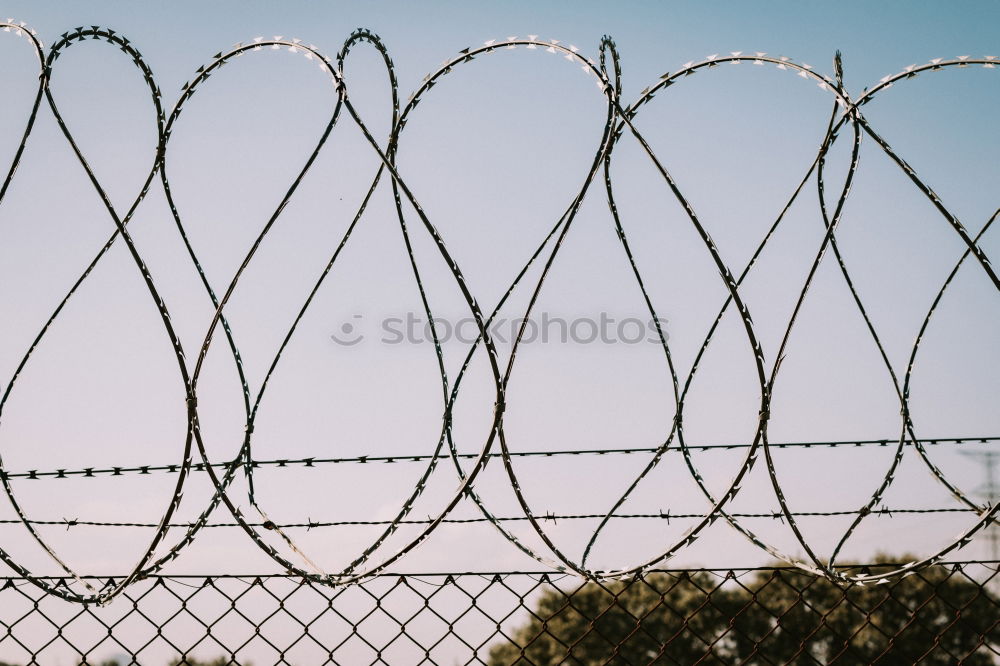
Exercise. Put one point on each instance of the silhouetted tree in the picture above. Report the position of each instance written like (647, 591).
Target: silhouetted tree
(937, 616)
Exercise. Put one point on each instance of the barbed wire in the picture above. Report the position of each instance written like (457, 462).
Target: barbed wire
(539, 574)
(619, 123)
(92, 472)
(549, 516)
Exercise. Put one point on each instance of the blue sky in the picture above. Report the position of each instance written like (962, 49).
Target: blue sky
(494, 156)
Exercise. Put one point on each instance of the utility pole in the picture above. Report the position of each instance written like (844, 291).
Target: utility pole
(990, 490)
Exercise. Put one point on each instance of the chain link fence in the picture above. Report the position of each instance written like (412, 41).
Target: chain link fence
(945, 614)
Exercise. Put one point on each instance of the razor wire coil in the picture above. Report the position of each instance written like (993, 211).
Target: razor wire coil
(846, 117)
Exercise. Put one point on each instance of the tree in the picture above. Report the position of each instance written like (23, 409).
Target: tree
(936, 616)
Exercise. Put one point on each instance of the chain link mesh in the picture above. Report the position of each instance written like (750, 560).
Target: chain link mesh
(940, 615)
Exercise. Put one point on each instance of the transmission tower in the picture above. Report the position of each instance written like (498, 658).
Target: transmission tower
(990, 490)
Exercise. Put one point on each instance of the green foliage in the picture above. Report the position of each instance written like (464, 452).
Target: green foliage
(779, 616)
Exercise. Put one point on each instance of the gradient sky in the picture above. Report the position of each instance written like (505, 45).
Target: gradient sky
(493, 156)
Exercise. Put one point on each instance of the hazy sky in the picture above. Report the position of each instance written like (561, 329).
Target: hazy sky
(493, 154)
